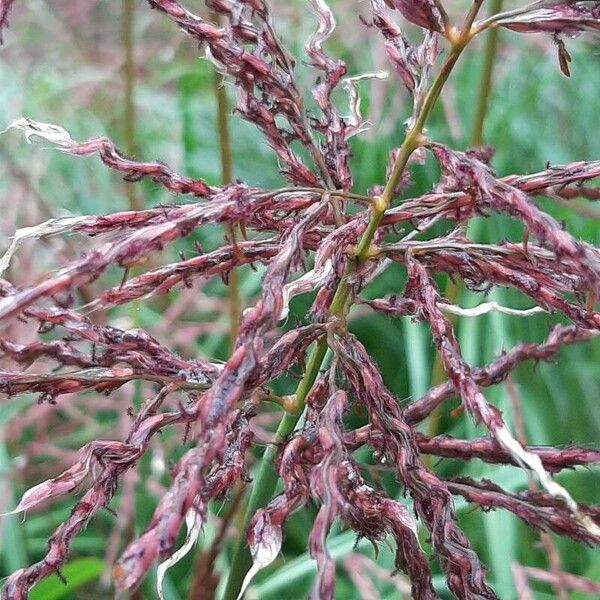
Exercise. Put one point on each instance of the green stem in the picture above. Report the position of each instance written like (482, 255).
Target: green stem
(234, 296)
(223, 128)
(134, 200)
(485, 85)
(233, 288)
(129, 133)
(267, 477)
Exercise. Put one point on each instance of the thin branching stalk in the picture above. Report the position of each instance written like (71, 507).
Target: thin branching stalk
(129, 78)
(266, 479)
(487, 74)
(224, 137)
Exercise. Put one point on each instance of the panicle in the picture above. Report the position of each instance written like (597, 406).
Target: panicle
(63, 334)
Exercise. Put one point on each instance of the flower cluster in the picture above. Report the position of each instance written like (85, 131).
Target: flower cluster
(349, 239)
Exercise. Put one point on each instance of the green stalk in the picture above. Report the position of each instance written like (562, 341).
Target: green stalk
(129, 134)
(485, 85)
(266, 479)
(233, 287)
(235, 303)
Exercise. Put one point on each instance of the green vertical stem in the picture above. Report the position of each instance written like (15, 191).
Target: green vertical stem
(485, 84)
(233, 288)
(454, 289)
(266, 479)
(128, 124)
(235, 303)
(129, 137)
(129, 133)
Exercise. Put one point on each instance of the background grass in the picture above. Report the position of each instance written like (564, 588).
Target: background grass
(61, 64)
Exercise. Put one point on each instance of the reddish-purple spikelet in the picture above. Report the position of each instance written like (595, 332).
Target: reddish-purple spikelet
(424, 13)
